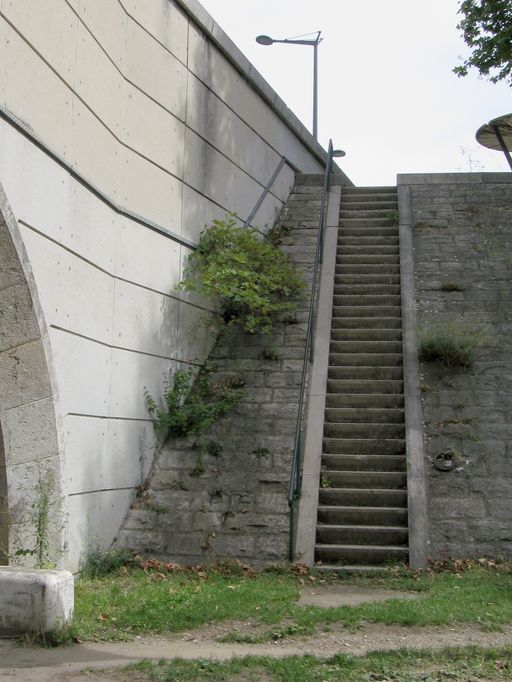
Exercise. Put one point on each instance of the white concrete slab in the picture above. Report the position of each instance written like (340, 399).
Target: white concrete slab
(35, 600)
(94, 519)
(153, 131)
(51, 28)
(155, 70)
(39, 97)
(150, 191)
(139, 372)
(74, 294)
(98, 82)
(165, 21)
(82, 369)
(107, 21)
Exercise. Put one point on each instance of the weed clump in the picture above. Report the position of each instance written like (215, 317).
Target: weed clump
(192, 405)
(450, 345)
(100, 564)
(252, 280)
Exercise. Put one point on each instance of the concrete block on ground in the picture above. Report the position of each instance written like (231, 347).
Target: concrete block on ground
(34, 600)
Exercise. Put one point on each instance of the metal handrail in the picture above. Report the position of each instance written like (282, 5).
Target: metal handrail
(283, 162)
(296, 473)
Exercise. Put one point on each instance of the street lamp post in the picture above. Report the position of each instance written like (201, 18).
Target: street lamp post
(266, 40)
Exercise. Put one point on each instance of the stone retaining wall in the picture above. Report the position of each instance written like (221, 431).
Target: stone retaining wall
(202, 507)
(462, 234)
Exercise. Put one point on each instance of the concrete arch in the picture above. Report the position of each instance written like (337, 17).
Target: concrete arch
(29, 451)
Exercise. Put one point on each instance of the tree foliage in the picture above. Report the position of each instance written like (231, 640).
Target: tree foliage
(486, 27)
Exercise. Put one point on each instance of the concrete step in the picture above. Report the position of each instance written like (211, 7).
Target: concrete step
(364, 400)
(361, 373)
(366, 311)
(360, 497)
(360, 554)
(367, 231)
(365, 386)
(367, 269)
(365, 281)
(371, 516)
(379, 204)
(353, 415)
(369, 210)
(376, 480)
(373, 322)
(367, 258)
(364, 462)
(366, 335)
(361, 535)
(367, 348)
(366, 244)
(377, 222)
(364, 446)
(358, 430)
(361, 290)
(366, 300)
(366, 360)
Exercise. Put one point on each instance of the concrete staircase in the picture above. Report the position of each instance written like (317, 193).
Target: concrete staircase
(362, 513)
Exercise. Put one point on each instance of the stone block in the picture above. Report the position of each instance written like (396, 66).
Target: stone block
(34, 600)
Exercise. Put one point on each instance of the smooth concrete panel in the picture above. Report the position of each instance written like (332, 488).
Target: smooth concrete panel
(86, 453)
(94, 519)
(144, 320)
(51, 28)
(107, 21)
(195, 334)
(213, 175)
(153, 131)
(131, 449)
(4, 38)
(208, 116)
(136, 246)
(198, 212)
(98, 82)
(155, 71)
(82, 369)
(106, 453)
(29, 432)
(267, 213)
(23, 375)
(74, 294)
(39, 98)
(94, 151)
(150, 191)
(166, 22)
(29, 178)
(139, 372)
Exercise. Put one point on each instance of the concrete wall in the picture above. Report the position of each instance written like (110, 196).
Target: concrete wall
(462, 237)
(153, 105)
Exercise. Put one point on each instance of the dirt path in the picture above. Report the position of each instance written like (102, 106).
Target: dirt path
(102, 660)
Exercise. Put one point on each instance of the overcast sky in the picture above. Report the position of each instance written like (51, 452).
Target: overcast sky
(387, 94)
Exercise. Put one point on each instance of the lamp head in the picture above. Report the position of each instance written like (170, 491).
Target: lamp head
(264, 40)
(338, 153)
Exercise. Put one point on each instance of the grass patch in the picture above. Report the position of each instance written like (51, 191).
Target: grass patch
(461, 664)
(450, 344)
(157, 600)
